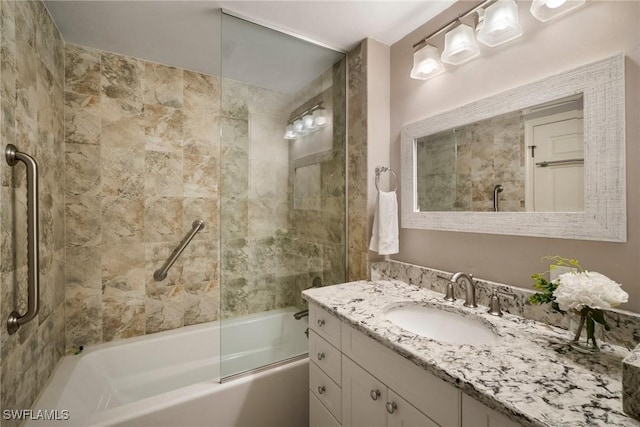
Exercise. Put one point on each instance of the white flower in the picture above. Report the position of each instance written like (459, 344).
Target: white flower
(590, 289)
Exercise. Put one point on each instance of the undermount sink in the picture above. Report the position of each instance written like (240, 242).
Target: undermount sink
(441, 325)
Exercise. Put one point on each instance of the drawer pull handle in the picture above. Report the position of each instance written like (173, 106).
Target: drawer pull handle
(320, 356)
(321, 389)
(391, 407)
(375, 394)
(320, 323)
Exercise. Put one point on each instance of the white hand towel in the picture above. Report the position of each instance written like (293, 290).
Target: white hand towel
(384, 236)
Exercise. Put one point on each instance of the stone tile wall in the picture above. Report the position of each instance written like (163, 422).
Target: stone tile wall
(141, 162)
(272, 249)
(31, 100)
(317, 239)
(358, 230)
(144, 160)
(458, 170)
(253, 197)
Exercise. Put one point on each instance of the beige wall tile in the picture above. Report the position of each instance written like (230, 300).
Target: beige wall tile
(122, 220)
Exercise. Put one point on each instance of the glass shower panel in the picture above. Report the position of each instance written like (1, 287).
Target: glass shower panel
(282, 201)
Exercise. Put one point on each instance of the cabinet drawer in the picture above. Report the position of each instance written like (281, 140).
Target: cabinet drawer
(328, 392)
(325, 325)
(326, 356)
(429, 394)
(319, 416)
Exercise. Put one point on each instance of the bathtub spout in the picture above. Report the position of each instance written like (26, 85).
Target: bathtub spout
(299, 315)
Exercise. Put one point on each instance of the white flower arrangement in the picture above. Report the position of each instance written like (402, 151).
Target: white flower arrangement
(577, 290)
(587, 293)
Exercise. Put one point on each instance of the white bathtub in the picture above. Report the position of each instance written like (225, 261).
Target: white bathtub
(172, 378)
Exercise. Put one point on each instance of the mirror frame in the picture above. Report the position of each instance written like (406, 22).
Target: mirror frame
(605, 216)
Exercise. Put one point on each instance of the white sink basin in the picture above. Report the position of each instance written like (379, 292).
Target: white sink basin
(441, 325)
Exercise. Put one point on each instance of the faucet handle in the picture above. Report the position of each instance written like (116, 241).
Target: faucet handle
(449, 293)
(494, 301)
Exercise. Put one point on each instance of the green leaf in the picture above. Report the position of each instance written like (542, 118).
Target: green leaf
(598, 316)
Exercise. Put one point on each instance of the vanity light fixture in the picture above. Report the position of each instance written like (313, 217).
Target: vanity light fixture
(307, 122)
(426, 63)
(459, 45)
(545, 10)
(500, 23)
(496, 23)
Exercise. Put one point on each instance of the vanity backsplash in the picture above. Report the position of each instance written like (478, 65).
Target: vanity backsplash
(625, 326)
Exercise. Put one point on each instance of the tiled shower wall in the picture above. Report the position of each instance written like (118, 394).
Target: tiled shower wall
(254, 191)
(317, 239)
(141, 163)
(142, 160)
(272, 247)
(31, 98)
(457, 171)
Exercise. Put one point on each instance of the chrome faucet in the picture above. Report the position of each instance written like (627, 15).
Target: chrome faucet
(470, 296)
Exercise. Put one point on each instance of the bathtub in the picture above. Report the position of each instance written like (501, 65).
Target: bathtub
(172, 378)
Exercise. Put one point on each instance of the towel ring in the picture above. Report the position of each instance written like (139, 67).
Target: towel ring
(379, 170)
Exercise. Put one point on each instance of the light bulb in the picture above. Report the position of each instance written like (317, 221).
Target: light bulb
(459, 46)
(307, 122)
(320, 117)
(545, 10)
(289, 132)
(298, 127)
(426, 63)
(553, 4)
(500, 23)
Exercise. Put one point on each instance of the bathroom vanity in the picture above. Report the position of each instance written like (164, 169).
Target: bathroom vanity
(366, 370)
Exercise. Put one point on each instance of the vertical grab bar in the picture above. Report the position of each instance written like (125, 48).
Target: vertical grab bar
(496, 198)
(15, 320)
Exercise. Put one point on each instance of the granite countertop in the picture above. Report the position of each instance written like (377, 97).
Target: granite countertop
(531, 374)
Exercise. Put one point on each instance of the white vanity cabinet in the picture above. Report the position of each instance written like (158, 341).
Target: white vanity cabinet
(368, 402)
(355, 381)
(475, 414)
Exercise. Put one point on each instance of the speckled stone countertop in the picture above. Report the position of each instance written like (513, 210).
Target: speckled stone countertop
(531, 375)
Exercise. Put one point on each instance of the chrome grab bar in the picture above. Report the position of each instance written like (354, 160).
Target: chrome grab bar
(559, 162)
(496, 198)
(15, 320)
(161, 273)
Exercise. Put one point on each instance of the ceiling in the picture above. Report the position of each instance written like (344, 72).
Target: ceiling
(191, 34)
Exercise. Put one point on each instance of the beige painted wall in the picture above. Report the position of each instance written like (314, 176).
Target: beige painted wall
(378, 96)
(597, 30)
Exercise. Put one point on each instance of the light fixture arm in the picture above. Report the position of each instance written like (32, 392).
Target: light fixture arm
(444, 28)
(304, 113)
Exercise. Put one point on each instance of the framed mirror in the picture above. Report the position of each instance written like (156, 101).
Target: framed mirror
(546, 159)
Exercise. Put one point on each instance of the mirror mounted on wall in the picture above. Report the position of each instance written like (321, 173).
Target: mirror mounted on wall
(546, 159)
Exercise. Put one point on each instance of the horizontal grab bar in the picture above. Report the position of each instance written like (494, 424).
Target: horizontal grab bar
(559, 162)
(15, 320)
(161, 273)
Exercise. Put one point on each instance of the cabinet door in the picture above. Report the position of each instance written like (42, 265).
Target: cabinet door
(363, 397)
(403, 414)
(475, 414)
(319, 416)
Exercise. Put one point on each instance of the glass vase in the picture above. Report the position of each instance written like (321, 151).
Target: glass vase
(586, 333)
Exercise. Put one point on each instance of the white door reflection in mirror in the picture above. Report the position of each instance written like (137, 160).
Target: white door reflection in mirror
(555, 159)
